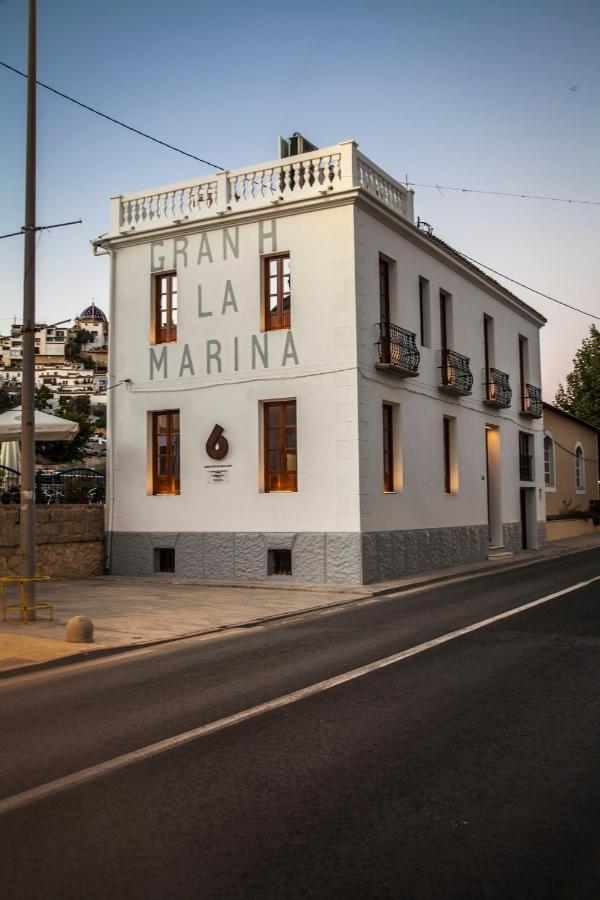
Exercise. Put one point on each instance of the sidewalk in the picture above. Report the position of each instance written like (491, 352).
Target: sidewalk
(129, 612)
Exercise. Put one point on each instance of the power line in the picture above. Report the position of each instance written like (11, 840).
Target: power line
(527, 288)
(464, 190)
(206, 162)
(571, 453)
(41, 228)
(115, 121)
(412, 183)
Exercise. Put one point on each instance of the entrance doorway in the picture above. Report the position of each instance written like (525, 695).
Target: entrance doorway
(529, 535)
(494, 487)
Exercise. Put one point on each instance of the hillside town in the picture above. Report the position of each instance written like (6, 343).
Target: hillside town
(71, 358)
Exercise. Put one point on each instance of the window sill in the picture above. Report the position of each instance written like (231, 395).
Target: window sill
(267, 493)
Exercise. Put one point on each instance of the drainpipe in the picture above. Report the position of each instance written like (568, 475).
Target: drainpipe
(109, 508)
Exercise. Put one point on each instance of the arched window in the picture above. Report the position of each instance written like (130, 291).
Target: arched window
(549, 477)
(579, 469)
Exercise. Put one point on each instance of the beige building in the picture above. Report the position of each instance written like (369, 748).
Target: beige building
(571, 470)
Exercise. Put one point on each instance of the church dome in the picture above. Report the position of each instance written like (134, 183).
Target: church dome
(93, 313)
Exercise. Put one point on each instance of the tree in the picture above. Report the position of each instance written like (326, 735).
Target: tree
(77, 340)
(581, 397)
(80, 404)
(69, 451)
(42, 395)
(99, 413)
(8, 400)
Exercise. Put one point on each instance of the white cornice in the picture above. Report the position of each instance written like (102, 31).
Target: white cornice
(184, 229)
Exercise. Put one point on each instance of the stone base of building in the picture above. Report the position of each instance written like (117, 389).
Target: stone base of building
(239, 556)
(317, 558)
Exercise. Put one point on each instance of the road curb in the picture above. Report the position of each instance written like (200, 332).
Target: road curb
(92, 654)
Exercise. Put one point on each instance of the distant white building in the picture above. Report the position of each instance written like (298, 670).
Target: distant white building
(94, 321)
(49, 343)
(305, 383)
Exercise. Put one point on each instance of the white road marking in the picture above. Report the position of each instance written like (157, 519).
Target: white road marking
(44, 791)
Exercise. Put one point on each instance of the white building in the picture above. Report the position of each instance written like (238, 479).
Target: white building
(94, 321)
(49, 343)
(263, 422)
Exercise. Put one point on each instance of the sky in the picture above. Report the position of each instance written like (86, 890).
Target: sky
(484, 95)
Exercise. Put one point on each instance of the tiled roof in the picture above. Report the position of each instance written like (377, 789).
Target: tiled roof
(568, 415)
(467, 262)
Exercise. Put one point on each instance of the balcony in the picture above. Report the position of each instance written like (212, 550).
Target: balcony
(457, 377)
(292, 179)
(531, 401)
(397, 349)
(498, 392)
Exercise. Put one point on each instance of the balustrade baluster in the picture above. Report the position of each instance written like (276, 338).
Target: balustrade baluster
(270, 182)
(329, 170)
(233, 194)
(182, 202)
(285, 178)
(295, 168)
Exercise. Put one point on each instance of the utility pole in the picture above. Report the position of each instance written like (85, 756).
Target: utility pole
(27, 532)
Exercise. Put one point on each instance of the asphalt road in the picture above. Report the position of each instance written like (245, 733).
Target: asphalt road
(470, 770)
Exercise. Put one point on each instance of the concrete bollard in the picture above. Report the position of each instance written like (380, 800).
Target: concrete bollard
(80, 630)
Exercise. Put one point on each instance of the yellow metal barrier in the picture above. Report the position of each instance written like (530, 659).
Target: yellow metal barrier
(21, 607)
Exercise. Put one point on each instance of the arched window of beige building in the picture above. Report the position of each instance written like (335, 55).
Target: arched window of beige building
(579, 469)
(549, 468)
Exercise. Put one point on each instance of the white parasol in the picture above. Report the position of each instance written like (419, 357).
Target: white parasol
(10, 455)
(47, 427)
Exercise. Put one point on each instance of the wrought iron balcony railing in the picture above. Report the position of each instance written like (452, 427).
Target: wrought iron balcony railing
(531, 401)
(497, 389)
(456, 373)
(397, 350)
(525, 467)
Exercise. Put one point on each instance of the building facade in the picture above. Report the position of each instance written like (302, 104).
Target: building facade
(305, 384)
(571, 470)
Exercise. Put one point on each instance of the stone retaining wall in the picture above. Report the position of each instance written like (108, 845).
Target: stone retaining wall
(70, 540)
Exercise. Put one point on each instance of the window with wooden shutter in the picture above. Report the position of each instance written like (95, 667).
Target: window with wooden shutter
(165, 308)
(166, 441)
(280, 452)
(277, 286)
(388, 448)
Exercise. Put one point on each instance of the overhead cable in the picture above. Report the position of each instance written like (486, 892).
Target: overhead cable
(439, 187)
(464, 190)
(414, 184)
(527, 288)
(113, 120)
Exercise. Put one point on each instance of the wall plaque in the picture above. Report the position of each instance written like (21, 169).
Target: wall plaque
(217, 474)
